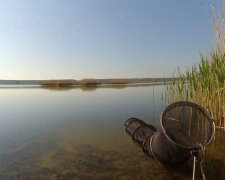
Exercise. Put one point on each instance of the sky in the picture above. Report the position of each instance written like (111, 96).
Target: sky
(75, 39)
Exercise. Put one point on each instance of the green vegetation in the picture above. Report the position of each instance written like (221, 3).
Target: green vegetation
(204, 84)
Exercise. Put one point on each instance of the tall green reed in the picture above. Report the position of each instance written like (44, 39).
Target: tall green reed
(204, 84)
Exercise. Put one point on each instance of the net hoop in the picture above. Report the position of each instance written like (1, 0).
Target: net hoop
(190, 104)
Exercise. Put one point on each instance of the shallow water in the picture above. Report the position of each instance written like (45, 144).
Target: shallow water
(78, 134)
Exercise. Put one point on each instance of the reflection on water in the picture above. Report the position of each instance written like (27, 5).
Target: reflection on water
(78, 134)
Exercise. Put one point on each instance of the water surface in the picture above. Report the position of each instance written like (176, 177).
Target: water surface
(78, 133)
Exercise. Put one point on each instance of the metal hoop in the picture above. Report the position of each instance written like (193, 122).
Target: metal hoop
(190, 104)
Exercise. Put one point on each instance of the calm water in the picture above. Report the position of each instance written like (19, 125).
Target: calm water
(78, 134)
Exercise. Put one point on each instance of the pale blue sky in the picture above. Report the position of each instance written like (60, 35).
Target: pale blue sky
(47, 39)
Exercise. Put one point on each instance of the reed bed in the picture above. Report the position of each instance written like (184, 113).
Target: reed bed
(204, 84)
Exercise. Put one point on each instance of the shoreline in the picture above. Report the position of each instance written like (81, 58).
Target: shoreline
(20, 86)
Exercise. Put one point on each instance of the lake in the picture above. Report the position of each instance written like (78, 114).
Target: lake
(78, 133)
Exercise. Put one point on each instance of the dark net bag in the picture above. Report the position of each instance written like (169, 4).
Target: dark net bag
(165, 151)
(186, 127)
(154, 143)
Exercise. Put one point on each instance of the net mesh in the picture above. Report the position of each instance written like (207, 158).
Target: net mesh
(154, 143)
(165, 151)
(139, 131)
(187, 125)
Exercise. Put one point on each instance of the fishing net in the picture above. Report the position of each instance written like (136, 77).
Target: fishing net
(154, 143)
(186, 128)
(140, 132)
(165, 151)
(187, 125)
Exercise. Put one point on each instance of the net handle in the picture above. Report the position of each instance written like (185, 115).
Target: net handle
(194, 163)
(188, 103)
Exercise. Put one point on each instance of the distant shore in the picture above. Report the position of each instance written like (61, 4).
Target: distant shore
(86, 82)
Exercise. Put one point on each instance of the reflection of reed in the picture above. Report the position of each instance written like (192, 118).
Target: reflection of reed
(117, 86)
(153, 99)
(190, 123)
(88, 88)
(215, 161)
(56, 88)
